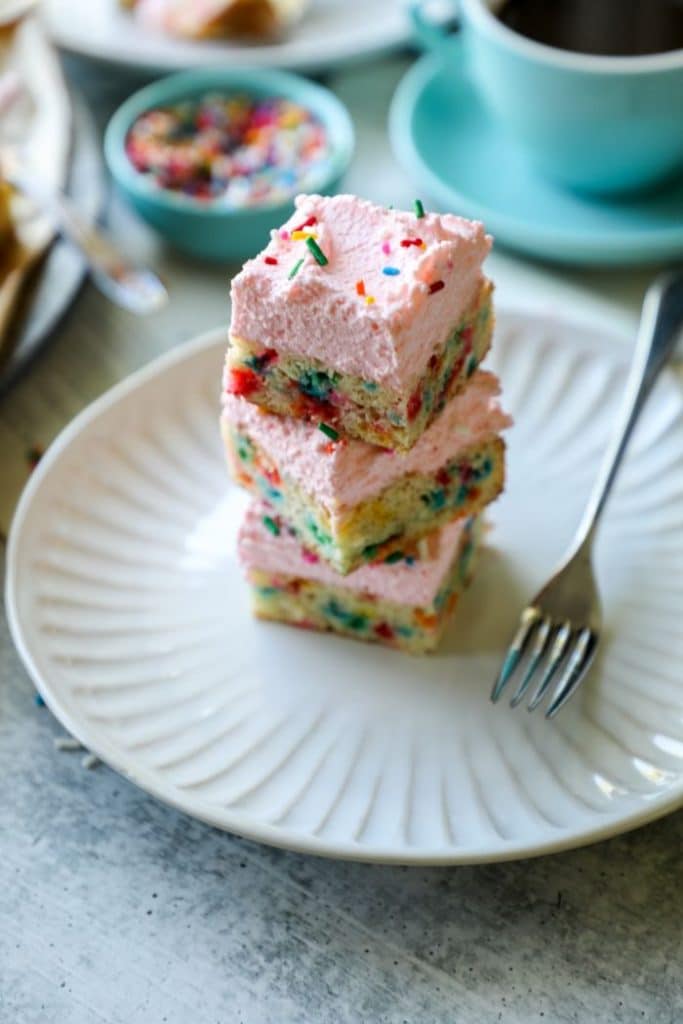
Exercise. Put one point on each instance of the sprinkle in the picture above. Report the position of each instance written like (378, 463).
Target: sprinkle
(369, 299)
(360, 287)
(299, 235)
(309, 556)
(386, 248)
(423, 246)
(233, 150)
(34, 455)
(67, 743)
(407, 242)
(316, 252)
(271, 525)
(391, 271)
(90, 761)
(419, 208)
(393, 557)
(328, 431)
(284, 235)
(308, 223)
(271, 261)
(436, 286)
(295, 269)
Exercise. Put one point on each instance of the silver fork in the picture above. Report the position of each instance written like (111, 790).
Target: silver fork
(559, 630)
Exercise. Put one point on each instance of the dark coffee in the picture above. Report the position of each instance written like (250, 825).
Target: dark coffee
(616, 28)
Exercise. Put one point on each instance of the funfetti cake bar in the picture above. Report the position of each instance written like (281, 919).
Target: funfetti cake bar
(353, 503)
(364, 318)
(403, 602)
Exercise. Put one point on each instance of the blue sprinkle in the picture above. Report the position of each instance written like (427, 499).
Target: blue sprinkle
(39, 702)
(391, 271)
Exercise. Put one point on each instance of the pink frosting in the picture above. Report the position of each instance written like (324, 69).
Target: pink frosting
(414, 585)
(345, 473)
(318, 313)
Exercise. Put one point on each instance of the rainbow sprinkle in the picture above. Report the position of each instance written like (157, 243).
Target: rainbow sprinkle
(369, 299)
(308, 223)
(419, 208)
(407, 242)
(328, 431)
(271, 525)
(360, 287)
(316, 252)
(391, 271)
(299, 235)
(295, 269)
(270, 260)
(235, 150)
(386, 248)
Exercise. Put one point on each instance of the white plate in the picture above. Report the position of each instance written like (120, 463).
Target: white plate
(126, 603)
(332, 32)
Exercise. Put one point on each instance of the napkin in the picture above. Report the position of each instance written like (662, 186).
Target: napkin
(35, 119)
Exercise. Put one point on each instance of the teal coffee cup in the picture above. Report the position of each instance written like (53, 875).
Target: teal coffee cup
(591, 123)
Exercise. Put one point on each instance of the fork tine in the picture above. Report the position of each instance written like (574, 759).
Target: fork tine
(540, 640)
(577, 666)
(519, 641)
(557, 652)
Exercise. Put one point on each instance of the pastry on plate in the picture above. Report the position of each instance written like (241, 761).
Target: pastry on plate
(403, 602)
(202, 19)
(366, 318)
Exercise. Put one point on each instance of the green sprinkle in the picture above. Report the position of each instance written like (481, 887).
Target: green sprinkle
(329, 431)
(271, 525)
(393, 557)
(295, 269)
(419, 208)
(318, 254)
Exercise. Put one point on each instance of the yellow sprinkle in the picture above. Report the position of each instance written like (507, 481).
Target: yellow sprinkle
(423, 246)
(300, 236)
(369, 299)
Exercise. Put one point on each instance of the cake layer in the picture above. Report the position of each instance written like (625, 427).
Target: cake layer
(361, 316)
(355, 407)
(403, 603)
(353, 503)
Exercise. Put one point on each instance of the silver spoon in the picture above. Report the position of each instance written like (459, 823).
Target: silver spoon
(136, 289)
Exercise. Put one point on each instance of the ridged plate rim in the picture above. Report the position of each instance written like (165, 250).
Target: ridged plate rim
(238, 821)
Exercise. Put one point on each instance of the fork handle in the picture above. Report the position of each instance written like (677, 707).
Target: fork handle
(660, 323)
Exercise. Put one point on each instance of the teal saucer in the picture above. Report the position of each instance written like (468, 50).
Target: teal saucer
(448, 143)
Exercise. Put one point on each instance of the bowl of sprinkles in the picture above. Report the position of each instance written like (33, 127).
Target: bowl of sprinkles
(213, 158)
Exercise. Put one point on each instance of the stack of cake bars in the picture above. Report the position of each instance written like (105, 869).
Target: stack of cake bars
(355, 413)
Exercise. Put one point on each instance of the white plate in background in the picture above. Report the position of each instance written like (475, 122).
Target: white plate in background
(331, 33)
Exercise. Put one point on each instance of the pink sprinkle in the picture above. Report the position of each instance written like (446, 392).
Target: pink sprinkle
(309, 556)
(386, 248)
(284, 235)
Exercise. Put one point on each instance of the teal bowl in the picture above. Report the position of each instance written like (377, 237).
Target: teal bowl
(207, 229)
